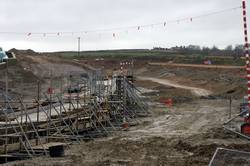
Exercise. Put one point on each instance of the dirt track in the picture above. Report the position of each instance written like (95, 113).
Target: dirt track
(196, 91)
(197, 65)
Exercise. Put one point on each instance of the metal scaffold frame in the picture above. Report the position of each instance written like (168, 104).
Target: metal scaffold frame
(90, 106)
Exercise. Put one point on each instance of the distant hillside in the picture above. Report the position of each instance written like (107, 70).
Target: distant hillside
(191, 55)
(174, 55)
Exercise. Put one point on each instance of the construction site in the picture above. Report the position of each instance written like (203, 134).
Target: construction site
(77, 105)
(175, 106)
(95, 113)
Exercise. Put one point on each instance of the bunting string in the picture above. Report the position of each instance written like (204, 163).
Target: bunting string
(113, 31)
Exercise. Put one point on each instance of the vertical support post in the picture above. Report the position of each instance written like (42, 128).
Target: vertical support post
(230, 108)
(38, 99)
(246, 49)
(26, 122)
(61, 94)
(132, 66)
(50, 106)
(85, 91)
(38, 107)
(6, 138)
(6, 108)
(21, 107)
(122, 97)
(77, 106)
(70, 91)
(6, 80)
(22, 116)
(78, 95)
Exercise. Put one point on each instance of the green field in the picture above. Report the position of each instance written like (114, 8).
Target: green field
(156, 55)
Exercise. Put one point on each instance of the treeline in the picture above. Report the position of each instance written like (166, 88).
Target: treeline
(235, 51)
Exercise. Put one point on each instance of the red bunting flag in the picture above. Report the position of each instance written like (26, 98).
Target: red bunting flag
(50, 91)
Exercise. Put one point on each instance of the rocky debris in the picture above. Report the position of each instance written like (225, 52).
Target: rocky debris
(23, 52)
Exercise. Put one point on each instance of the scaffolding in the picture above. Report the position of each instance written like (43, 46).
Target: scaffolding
(224, 156)
(91, 105)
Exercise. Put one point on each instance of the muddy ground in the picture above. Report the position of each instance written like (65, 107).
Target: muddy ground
(186, 134)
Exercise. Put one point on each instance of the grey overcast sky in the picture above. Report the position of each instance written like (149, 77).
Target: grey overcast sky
(80, 15)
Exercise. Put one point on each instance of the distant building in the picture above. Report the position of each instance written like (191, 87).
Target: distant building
(207, 62)
(159, 48)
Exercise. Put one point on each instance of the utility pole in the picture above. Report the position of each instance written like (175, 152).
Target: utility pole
(79, 46)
